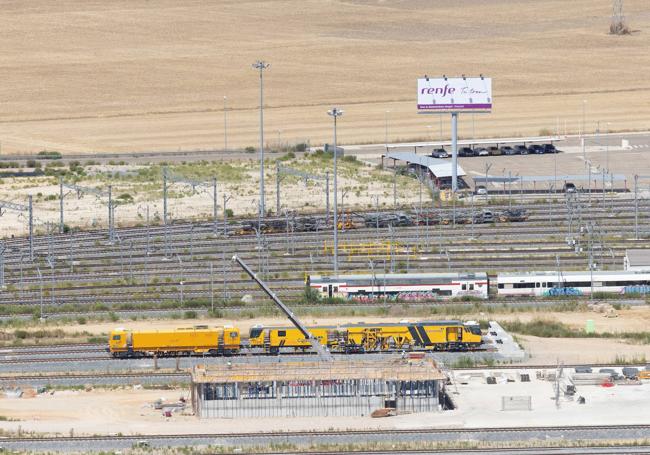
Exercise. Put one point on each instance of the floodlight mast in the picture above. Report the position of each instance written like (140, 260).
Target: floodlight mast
(322, 352)
(261, 65)
(334, 113)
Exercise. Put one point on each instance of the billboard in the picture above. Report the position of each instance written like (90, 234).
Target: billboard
(455, 94)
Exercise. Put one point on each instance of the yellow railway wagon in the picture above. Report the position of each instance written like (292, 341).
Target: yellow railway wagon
(181, 341)
(274, 338)
(437, 335)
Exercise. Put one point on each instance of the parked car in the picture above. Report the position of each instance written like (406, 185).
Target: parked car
(630, 372)
(536, 148)
(549, 148)
(487, 217)
(612, 373)
(439, 153)
(507, 150)
(481, 151)
(494, 150)
(521, 150)
(570, 187)
(583, 370)
(481, 190)
(465, 151)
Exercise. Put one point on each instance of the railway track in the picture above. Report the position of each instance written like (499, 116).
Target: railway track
(98, 265)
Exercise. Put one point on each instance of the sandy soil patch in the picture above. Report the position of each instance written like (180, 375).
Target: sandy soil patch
(124, 76)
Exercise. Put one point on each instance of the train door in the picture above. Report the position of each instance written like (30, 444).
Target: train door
(329, 291)
(454, 334)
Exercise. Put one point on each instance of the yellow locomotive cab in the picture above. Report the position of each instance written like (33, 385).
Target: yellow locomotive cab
(180, 341)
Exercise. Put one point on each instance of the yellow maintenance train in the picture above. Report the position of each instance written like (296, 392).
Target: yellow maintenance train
(348, 338)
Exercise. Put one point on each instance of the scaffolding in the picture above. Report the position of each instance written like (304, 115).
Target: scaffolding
(299, 389)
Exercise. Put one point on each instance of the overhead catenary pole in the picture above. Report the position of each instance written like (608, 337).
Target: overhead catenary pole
(487, 168)
(636, 207)
(31, 229)
(61, 205)
(166, 230)
(2, 264)
(334, 113)
(214, 203)
(277, 188)
(111, 231)
(261, 65)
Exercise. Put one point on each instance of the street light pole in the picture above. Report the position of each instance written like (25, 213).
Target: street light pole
(261, 65)
(335, 113)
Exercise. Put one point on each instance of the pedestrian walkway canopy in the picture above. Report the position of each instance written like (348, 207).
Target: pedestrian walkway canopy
(547, 178)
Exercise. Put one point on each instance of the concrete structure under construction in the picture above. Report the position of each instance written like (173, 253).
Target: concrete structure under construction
(300, 389)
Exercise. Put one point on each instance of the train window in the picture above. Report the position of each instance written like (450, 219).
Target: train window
(445, 293)
(116, 337)
(544, 284)
(464, 287)
(336, 289)
(282, 333)
(324, 289)
(537, 285)
(500, 285)
(233, 334)
(471, 287)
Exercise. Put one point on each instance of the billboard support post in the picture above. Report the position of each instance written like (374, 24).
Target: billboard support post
(454, 152)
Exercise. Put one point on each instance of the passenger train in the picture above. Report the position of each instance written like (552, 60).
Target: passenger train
(443, 286)
(402, 286)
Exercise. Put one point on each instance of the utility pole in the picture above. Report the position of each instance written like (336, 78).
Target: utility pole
(31, 228)
(61, 205)
(509, 189)
(225, 215)
(111, 227)
(40, 278)
(2, 264)
(335, 113)
(211, 288)
(261, 65)
(277, 188)
(165, 227)
(636, 207)
(487, 168)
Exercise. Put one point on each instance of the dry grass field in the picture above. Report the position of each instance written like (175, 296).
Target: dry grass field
(151, 75)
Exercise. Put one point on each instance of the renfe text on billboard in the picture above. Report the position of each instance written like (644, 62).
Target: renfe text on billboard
(455, 94)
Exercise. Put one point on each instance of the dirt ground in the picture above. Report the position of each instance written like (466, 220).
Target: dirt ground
(119, 76)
